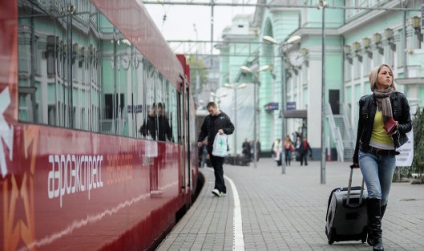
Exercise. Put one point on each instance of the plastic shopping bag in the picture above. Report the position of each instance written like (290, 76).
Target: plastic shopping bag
(220, 145)
(151, 148)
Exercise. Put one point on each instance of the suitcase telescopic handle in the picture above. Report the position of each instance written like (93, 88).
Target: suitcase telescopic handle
(349, 188)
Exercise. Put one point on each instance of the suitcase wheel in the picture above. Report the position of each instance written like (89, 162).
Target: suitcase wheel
(364, 237)
(330, 236)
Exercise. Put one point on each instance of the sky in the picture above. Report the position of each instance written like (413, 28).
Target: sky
(180, 21)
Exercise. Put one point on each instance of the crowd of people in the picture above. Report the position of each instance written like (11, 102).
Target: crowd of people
(293, 148)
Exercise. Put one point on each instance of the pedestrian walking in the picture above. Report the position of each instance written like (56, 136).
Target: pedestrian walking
(216, 122)
(288, 149)
(246, 149)
(304, 148)
(278, 151)
(375, 148)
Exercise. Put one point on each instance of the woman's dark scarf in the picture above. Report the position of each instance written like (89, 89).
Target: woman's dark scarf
(382, 98)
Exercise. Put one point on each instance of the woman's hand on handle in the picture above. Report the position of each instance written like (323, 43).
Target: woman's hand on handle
(354, 165)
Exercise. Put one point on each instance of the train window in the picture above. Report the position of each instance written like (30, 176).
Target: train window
(133, 105)
(139, 107)
(149, 122)
(23, 108)
(165, 115)
(84, 80)
(180, 119)
(162, 120)
(54, 87)
(163, 125)
(52, 114)
(173, 113)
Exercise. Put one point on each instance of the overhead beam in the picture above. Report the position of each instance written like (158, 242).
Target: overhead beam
(279, 6)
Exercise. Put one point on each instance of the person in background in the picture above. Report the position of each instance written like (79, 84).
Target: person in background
(203, 153)
(246, 149)
(278, 151)
(156, 125)
(295, 136)
(148, 129)
(164, 132)
(288, 149)
(375, 148)
(258, 150)
(304, 148)
(216, 122)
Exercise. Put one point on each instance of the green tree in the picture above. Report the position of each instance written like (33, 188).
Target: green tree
(197, 67)
(418, 125)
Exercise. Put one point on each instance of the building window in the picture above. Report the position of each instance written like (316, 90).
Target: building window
(348, 70)
(391, 49)
(356, 68)
(52, 115)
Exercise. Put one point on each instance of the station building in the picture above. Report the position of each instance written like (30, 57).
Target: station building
(312, 44)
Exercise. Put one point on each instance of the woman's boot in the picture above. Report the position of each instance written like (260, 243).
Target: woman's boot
(383, 210)
(374, 227)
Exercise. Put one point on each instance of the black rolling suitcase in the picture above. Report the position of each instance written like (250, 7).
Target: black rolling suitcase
(346, 218)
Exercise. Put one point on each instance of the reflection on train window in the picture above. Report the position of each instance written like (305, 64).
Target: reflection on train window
(85, 80)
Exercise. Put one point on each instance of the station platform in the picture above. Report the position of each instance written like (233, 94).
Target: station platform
(267, 210)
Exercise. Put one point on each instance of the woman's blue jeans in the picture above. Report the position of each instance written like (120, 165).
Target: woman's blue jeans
(378, 174)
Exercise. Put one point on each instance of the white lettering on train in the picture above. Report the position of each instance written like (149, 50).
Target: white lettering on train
(72, 174)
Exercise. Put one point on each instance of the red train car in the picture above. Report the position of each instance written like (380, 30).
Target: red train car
(96, 127)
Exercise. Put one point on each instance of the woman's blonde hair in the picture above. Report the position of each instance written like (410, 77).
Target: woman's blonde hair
(374, 75)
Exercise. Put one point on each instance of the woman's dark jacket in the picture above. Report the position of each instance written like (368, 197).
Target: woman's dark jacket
(210, 128)
(367, 110)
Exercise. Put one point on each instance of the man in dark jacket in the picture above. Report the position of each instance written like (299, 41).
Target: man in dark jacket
(215, 122)
(246, 149)
(304, 148)
(165, 132)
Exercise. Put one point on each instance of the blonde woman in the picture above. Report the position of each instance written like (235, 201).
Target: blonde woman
(375, 148)
(288, 149)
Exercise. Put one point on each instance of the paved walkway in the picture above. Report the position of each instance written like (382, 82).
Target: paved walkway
(287, 211)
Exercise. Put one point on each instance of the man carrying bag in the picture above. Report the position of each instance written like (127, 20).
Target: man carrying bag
(216, 122)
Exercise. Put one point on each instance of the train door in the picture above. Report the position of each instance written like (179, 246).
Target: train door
(180, 124)
(187, 133)
(183, 136)
(183, 126)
